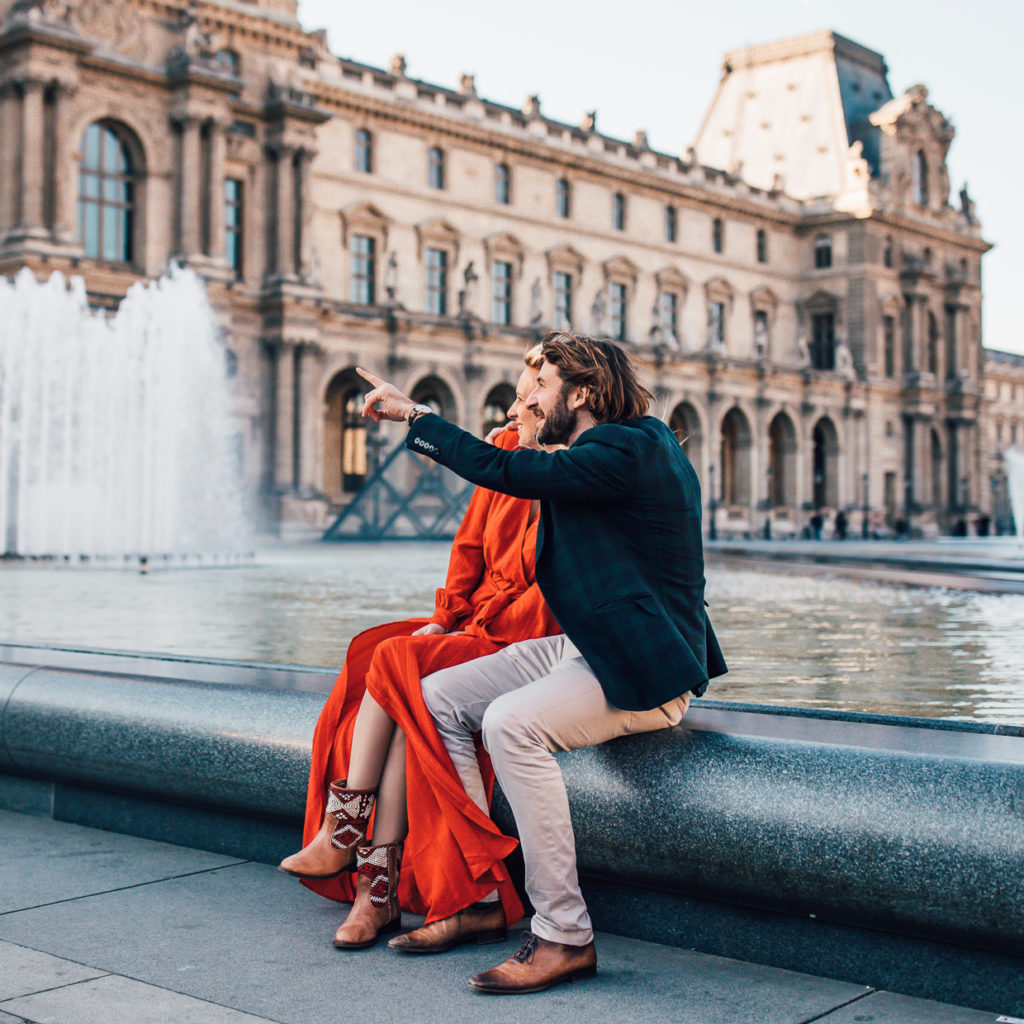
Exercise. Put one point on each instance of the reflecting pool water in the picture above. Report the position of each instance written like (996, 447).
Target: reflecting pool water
(790, 639)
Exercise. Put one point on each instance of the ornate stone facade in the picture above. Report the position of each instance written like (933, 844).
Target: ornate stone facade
(800, 294)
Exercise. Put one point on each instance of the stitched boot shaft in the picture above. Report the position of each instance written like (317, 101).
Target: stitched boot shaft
(375, 910)
(380, 866)
(351, 809)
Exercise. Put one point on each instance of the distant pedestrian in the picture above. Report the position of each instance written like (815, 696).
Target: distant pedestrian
(840, 525)
(817, 522)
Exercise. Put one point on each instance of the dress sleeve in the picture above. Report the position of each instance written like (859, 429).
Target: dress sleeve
(526, 618)
(466, 564)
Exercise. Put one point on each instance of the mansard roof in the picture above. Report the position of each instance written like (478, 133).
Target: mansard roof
(787, 114)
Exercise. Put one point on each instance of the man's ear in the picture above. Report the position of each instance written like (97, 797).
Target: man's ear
(579, 396)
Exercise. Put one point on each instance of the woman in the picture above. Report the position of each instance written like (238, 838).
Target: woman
(376, 737)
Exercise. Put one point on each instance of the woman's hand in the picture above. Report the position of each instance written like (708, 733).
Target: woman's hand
(430, 629)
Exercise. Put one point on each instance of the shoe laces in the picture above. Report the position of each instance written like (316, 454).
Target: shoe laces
(524, 954)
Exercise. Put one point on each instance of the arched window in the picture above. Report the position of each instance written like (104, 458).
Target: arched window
(822, 252)
(562, 198)
(435, 392)
(435, 167)
(363, 153)
(718, 235)
(920, 179)
(502, 184)
(106, 195)
(619, 211)
(888, 257)
(762, 246)
(499, 401)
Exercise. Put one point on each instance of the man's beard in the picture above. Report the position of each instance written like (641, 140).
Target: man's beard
(560, 424)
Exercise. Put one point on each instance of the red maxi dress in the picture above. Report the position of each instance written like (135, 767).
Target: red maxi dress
(454, 852)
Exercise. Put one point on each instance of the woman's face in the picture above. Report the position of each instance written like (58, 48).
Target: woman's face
(526, 422)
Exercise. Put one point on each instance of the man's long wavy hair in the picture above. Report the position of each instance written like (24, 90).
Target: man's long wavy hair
(614, 394)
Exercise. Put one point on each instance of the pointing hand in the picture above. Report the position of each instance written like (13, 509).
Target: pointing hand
(385, 401)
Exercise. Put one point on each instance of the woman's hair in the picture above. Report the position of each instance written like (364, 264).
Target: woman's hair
(613, 392)
(535, 356)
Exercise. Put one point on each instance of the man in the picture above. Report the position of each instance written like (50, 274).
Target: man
(620, 563)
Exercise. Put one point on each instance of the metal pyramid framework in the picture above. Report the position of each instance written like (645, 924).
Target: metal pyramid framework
(407, 498)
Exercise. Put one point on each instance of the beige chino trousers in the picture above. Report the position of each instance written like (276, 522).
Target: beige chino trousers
(529, 700)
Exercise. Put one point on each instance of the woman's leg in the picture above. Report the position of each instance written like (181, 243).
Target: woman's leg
(376, 909)
(371, 740)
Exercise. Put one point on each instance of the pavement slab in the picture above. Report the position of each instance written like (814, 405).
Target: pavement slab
(886, 1007)
(24, 971)
(46, 861)
(190, 938)
(121, 999)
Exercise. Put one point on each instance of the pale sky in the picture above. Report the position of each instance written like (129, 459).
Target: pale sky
(655, 65)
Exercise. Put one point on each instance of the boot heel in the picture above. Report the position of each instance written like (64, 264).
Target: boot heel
(486, 938)
(585, 972)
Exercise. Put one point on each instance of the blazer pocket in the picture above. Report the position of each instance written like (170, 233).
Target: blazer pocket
(640, 600)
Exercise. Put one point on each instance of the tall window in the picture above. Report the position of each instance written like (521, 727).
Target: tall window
(887, 253)
(668, 314)
(920, 179)
(234, 217)
(563, 301)
(889, 334)
(619, 211)
(822, 252)
(563, 198)
(718, 235)
(502, 184)
(671, 224)
(363, 151)
(435, 167)
(106, 196)
(437, 282)
(617, 296)
(501, 292)
(762, 246)
(716, 325)
(364, 270)
(823, 341)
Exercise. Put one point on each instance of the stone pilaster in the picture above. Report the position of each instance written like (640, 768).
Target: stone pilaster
(284, 417)
(189, 186)
(282, 205)
(215, 189)
(64, 173)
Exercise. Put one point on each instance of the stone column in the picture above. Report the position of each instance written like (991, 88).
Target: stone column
(284, 213)
(910, 469)
(912, 349)
(303, 168)
(189, 186)
(308, 360)
(63, 183)
(9, 112)
(32, 165)
(923, 461)
(284, 417)
(215, 189)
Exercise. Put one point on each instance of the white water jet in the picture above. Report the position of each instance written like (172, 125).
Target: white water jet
(115, 432)
(1014, 459)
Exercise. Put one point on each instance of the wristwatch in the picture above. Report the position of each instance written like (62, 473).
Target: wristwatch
(416, 412)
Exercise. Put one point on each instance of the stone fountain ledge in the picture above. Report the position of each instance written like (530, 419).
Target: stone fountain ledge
(885, 851)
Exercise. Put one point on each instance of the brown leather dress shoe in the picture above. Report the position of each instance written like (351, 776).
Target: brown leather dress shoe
(536, 965)
(480, 923)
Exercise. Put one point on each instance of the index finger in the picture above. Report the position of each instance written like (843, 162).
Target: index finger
(372, 378)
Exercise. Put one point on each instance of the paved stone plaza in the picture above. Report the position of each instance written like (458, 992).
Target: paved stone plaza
(97, 927)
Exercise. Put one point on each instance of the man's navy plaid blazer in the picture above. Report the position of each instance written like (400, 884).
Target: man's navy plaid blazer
(620, 557)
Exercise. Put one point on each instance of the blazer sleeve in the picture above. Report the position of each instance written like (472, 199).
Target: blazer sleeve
(601, 465)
